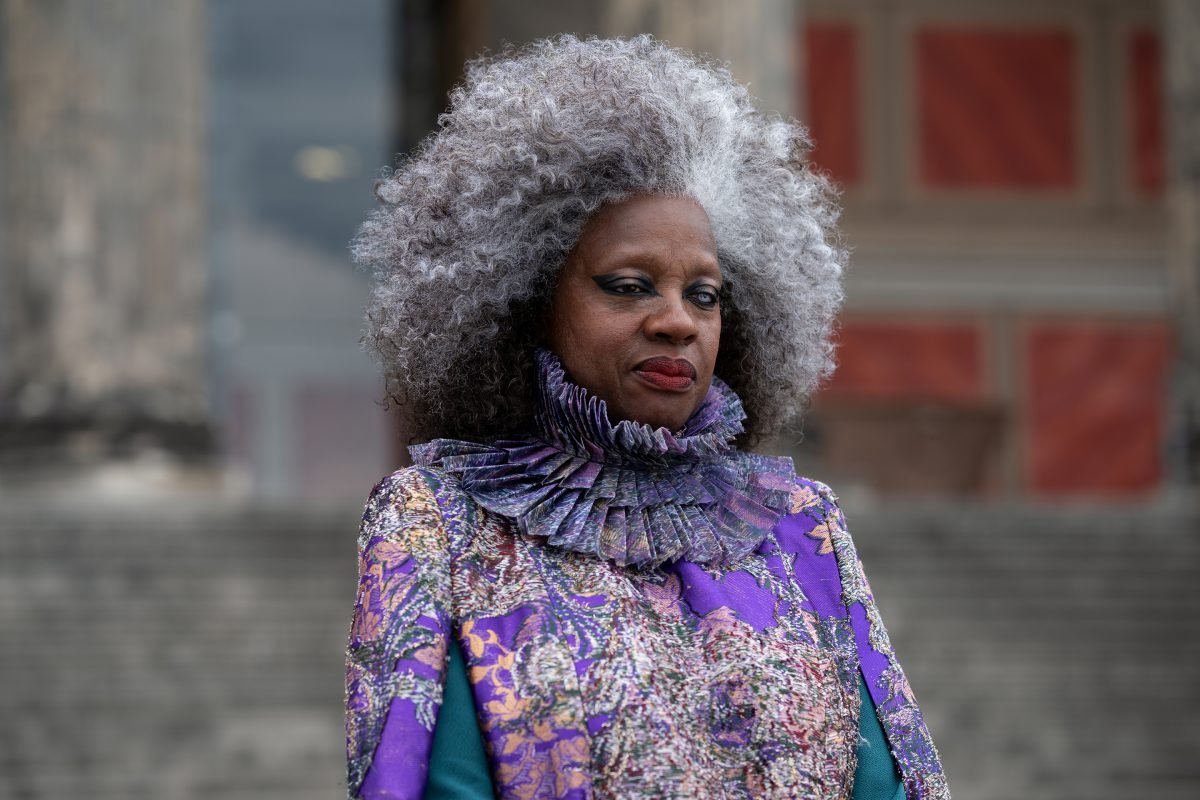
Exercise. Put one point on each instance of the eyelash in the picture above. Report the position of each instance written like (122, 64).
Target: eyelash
(708, 290)
(620, 288)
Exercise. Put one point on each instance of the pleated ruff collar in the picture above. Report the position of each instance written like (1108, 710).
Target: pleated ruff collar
(637, 495)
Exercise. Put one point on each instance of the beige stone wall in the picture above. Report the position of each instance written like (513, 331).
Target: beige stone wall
(103, 200)
(756, 37)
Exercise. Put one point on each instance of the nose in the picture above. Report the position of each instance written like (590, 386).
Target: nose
(671, 321)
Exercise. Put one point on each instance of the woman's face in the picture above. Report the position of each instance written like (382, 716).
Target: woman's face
(635, 317)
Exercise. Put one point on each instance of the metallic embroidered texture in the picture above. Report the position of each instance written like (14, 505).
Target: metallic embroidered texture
(397, 643)
(604, 665)
(908, 737)
(637, 495)
(593, 680)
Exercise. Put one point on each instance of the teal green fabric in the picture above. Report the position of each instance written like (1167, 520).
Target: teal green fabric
(877, 777)
(458, 766)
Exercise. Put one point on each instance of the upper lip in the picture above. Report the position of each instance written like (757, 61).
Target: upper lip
(675, 367)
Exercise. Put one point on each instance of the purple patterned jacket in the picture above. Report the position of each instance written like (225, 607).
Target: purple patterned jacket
(594, 680)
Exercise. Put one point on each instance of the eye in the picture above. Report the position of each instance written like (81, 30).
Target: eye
(624, 285)
(706, 296)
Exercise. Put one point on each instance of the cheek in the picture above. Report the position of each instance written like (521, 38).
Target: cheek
(583, 332)
(712, 342)
(565, 333)
(604, 332)
(585, 338)
(573, 348)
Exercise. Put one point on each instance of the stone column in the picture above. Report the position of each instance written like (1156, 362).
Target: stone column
(757, 37)
(1181, 34)
(102, 271)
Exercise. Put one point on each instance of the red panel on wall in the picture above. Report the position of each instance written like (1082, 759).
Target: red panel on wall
(832, 87)
(997, 108)
(1095, 393)
(889, 359)
(1146, 109)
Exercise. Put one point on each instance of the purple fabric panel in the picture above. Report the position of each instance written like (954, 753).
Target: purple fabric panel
(487, 646)
(596, 722)
(396, 653)
(505, 629)
(817, 574)
(872, 661)
(736, 590)
(398, 771)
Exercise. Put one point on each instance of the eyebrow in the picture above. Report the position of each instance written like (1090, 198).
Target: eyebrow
(718, 278)
(640, 261)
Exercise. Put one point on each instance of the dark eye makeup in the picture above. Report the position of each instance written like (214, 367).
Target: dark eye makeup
(702, 294)
(623, 284)
(706, 295)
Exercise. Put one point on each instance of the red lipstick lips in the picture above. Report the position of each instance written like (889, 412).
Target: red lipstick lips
(671, 374)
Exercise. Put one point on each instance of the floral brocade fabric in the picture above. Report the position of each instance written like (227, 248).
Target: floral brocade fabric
(593, 680)
(693, 625)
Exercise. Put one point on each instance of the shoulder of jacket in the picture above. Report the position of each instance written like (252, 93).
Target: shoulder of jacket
(419, 482)
(812, 521)
(405, 480)
(404, 504)
(810, 496)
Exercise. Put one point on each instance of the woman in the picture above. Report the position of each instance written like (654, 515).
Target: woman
(602, 279)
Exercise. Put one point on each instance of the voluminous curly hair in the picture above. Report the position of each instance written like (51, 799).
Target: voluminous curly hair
(475, 225)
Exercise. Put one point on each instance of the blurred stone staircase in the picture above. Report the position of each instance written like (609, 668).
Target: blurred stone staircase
(1055, 651)
(192, 651)
(176, 652)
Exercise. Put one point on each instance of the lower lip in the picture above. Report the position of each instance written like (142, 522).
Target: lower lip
(670, 383)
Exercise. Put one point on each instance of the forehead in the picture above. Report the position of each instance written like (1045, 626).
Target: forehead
(650, 227)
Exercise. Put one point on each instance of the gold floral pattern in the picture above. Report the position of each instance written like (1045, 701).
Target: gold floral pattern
(598, 681)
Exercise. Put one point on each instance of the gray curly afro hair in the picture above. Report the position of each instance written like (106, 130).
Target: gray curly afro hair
(476, 224)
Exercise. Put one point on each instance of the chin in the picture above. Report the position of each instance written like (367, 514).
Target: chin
(658, 417)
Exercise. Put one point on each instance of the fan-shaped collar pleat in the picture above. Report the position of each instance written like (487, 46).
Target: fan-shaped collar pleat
(637, 495)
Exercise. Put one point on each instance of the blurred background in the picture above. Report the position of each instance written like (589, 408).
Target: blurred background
(188, 427)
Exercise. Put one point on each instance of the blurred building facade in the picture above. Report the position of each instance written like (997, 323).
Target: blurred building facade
(1003, 168)
(300, 122)
(1004, 174)
(1017, 199)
